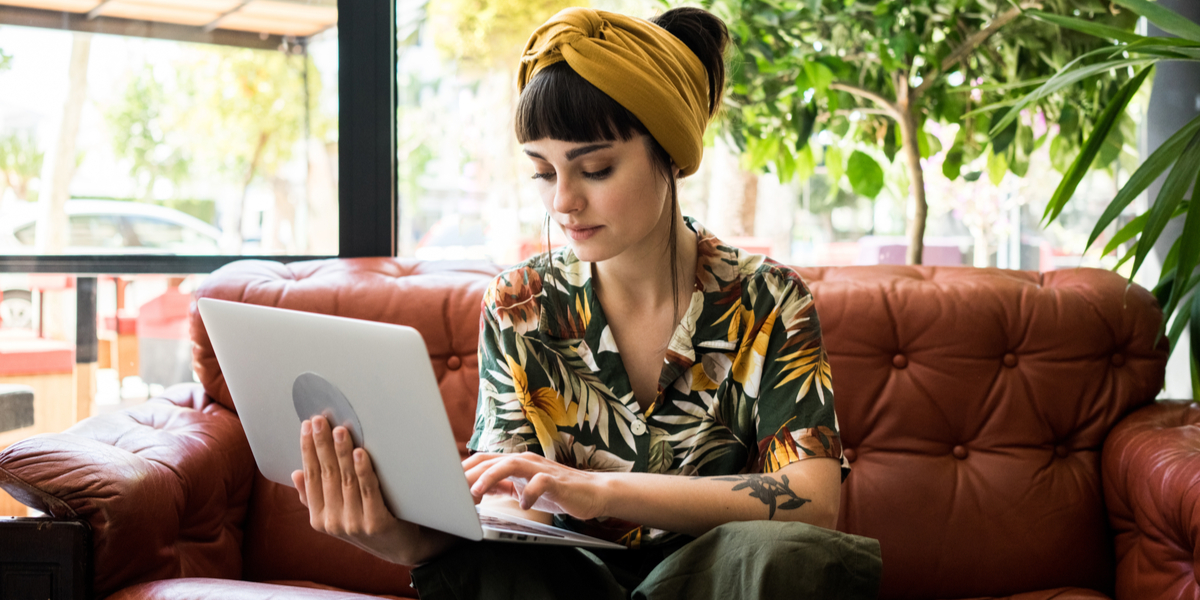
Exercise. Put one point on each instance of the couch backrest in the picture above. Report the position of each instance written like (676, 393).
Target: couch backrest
(973, 404)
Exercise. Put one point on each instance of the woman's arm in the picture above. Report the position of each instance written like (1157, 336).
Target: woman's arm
(339, 487)
(808, 491)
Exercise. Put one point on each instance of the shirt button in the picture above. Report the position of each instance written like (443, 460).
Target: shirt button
(637, 427)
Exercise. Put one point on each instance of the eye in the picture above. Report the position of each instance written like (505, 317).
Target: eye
(547, 175)
(601, 174)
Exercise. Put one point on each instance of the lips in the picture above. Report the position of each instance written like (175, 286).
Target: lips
(580, 233)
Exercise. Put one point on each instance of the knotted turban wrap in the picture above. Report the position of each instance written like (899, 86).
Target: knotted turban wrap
(635, 62)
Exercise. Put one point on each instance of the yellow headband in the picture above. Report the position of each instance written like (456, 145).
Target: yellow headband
(637, 63)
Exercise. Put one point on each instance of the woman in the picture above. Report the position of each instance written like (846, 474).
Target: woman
(647, 384)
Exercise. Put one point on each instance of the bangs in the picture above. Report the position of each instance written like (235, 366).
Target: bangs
(558, 104)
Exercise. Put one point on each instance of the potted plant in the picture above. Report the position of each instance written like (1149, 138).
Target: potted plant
(1178, 158)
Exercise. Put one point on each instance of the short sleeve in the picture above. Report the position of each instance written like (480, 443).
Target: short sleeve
(796, 418)
(500, 423)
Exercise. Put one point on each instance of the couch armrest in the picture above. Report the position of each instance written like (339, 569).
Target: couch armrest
(1152, 488)
(164, 485)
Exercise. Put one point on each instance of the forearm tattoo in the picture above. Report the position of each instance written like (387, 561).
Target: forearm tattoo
(768, 491)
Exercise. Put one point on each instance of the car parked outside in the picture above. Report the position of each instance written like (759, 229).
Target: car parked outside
(115, 227)
(98, 227)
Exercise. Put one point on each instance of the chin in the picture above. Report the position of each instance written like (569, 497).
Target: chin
(590, 252)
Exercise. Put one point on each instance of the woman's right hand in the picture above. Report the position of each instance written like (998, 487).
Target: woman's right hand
(341, 491)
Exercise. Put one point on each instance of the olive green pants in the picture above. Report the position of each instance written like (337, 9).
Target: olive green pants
(756, 559)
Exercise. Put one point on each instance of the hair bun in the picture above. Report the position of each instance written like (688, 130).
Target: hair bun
(707, 37)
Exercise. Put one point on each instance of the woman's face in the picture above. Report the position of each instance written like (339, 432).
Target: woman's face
(608, 197)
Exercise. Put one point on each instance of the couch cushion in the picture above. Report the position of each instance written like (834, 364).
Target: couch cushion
(440, 299)
(1152, 484)
(973, 404)
(164, 485)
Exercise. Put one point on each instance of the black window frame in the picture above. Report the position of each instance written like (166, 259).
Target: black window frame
(367, 206)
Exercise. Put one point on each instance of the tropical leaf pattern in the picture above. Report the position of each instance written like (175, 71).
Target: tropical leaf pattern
(745, 385)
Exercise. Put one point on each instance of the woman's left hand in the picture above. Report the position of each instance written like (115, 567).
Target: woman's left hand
(537, 483)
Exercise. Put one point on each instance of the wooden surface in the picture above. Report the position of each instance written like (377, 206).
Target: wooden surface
(55, 408)
(55, 405)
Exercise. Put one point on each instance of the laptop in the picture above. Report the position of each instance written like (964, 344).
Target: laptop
(284, 366)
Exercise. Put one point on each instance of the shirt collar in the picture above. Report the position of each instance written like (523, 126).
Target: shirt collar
(718, 269)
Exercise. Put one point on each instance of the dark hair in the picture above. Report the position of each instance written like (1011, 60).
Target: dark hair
(559, 104)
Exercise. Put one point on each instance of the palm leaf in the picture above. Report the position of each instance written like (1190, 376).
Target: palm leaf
(1108, 119)
(1165, 18)
(1134, 227)
(1088, 27)
(1189, 254)
(1067, 77)
(1186, 311)
(1178, 181)
(1195, 335)
(1148, 173)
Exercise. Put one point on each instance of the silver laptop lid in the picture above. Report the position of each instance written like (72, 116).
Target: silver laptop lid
(384, 373)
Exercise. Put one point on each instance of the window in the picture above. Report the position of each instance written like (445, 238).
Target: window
(198, 129)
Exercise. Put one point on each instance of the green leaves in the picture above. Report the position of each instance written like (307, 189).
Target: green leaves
(952, 165)
(1156, 164)
(1189, 255)
(1087, 155)
(1177, 183)
(1089, 27)
(1165, 18)
(1064, 79)
(866, 176)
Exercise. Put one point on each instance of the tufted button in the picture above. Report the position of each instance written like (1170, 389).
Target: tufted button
(1061, 451)
(899, 361)
(960, 452)
(850, 454)
(453, 363)
(1010, 360)
(1118, 360)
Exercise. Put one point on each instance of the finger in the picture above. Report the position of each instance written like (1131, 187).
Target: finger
(479, 457)
(541, 484)
(298, 483)
(375, 512)
(331, 479)
(351, 497)
(502, 488)
(312, 474)
(477, 469)
(501, 470)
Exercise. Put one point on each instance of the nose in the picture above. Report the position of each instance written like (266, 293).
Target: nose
(568, 197)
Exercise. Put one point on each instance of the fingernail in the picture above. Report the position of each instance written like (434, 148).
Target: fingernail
(339, 434)
(318, 424)
(306, 427)
(358, 456)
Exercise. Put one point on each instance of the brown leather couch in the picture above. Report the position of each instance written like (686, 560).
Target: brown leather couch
(1001, 425)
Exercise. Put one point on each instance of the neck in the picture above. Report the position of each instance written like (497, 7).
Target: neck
(642, 276)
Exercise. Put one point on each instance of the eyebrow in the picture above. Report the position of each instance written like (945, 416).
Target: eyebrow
(574, 153)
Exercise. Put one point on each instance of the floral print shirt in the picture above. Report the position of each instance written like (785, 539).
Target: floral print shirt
(745, 386)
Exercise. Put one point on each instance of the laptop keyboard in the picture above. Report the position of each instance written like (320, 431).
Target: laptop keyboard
(496, 523)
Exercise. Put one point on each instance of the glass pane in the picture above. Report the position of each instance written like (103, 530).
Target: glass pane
(464, 187)
(168, 127)
(465, 190)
